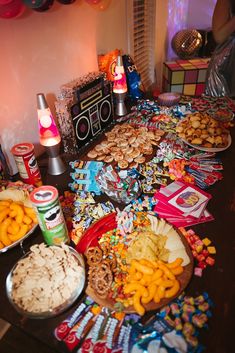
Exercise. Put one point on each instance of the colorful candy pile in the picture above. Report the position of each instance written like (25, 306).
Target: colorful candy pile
(201, 250)
(187, 315)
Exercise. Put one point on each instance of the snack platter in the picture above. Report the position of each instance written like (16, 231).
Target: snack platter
(183, 278)
(210, 149)
(43, 278)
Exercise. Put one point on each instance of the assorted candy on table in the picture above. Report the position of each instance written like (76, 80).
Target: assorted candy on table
(201, 250)
(121, 187)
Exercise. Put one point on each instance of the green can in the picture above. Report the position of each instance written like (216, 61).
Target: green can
(45, 200)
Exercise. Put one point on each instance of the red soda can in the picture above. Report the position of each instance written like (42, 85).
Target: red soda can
(26, 163)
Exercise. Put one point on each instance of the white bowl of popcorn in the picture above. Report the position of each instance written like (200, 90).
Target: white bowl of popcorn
(46, 281)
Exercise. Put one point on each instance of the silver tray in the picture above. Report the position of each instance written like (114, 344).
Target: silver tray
(56, 311)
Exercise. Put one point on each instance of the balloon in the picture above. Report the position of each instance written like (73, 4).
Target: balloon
(13, 9)
(102, 5)
(93, 2)
(38, 5)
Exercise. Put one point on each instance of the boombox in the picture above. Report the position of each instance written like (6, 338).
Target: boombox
(84, 110)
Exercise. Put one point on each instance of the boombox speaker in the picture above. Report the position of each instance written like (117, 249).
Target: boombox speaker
(84, 109)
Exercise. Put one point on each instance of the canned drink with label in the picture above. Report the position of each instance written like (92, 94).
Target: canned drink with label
(26, 163)
(45, 200)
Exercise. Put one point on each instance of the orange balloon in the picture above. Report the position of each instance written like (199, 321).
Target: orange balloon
(102, 5)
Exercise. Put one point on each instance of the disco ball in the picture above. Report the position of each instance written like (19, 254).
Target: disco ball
(186, 43)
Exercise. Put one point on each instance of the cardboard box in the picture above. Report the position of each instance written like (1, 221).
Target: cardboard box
(185, 76)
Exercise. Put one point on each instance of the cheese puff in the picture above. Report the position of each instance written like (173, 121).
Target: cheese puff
(177, 270)
(146, 262)
(5, 203)
(4, 213)
(137, 304)
(19, 210)
(13, 228)
(156, 298)
(173, 290)
(135, 287)
(175, 263)
(12, 214)
(23, 230)
(3, 232)
(1, 245)
(167, 283)
(142, 268)
(29, 211)
(161, 292)
(146, 279)
(158, 281)
(166, 270)
(152, 287)
(27, 220)
(157, 274)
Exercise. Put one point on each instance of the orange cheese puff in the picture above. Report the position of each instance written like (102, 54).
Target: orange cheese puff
(137, 304)
(159, 281)
(146, 262)
(12, 214)
(19, 210)
(27, 220)
(5, 203)
(156, 298)
(177, 270)
(13, 228)
(175, 263)
(29, 211)
(152, 287)
(161, 292)
(167, 283)
(1, 245)
(23, 230)
(173, 290)
(4, 213)
(142, 268)
(166, 270)
(157, 274)
(3, 232)
(146, 279)
(135, 287)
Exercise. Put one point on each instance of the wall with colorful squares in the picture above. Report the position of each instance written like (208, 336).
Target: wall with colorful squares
(185, 76)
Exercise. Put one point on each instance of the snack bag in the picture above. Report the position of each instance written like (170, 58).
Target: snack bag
(133, 78)
(107, 63)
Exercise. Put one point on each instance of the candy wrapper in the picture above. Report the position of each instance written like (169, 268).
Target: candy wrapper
(107, 63)
(133, 78)
(122, 187)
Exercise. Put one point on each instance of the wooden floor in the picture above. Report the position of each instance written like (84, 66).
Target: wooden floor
(14, 341)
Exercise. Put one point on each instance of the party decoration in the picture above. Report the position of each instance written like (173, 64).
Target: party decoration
(120, 87)
(186, 43)
(11, 9)
(101, 5)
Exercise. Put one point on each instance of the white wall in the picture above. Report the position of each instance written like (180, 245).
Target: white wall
(41, 51)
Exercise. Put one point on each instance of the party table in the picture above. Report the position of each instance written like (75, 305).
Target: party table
(218, 280)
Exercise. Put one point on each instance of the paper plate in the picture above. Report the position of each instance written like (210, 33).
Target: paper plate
(206, 149)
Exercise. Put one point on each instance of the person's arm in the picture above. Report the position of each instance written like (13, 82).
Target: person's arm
(223, 25)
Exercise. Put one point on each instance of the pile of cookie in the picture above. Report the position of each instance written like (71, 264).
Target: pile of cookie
(101, 270)
(126, 145)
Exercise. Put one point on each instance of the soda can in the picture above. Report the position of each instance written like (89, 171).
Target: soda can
(26, 163)
(45, 200)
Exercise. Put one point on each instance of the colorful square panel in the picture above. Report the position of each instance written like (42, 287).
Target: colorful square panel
(202, 75)
(189, 89)
(191, 76)
(200, 88)
(177, 88)
(177, 77)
